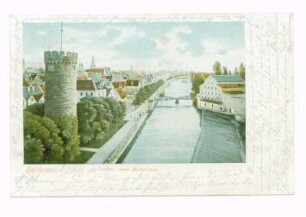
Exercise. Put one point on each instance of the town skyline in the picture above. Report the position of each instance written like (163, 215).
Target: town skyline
(141, 46)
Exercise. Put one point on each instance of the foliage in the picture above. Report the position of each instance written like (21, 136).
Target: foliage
(242, 71)
(44, 130)
(225, 71)
(33, 150)
(197, 80)
(36, 109)
(217, 68)
(83, 157)
(98, 117)
(68, 131)
(145, 92)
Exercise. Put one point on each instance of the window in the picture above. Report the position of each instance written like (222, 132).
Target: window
(81, 93)
(91, 93)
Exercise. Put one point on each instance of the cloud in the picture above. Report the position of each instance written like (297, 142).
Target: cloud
(171, 42)
(177, 46)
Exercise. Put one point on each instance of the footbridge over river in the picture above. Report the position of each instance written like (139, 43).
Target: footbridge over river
(173, 102)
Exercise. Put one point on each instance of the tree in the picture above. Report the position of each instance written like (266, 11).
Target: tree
(36, 109)
(217, 68)
(98, 118)
(196, 82)
(236, 71)
(33, 150)
(225, 71)
(145, 92)
(68, 130)
(44, 130)
(242, 71)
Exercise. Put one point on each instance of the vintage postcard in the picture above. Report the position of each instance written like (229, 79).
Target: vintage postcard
(198, 104)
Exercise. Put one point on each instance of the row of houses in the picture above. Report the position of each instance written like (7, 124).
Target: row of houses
(224, 94)
(95, 82)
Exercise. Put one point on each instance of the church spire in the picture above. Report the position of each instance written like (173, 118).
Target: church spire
(93, 64)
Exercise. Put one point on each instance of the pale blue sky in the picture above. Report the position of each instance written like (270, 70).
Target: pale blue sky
(147, 46)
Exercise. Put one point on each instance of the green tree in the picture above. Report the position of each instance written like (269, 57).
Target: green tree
(242, 71)
(217, 68)
(98, 118)
(236, 71)
(46, 131)
(33, 150)
(68, 130)
(145, 92)
(225, 71)
(196, 82)
(36, 109)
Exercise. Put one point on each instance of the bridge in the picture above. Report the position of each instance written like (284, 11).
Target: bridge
(174, 98)
(174, 102)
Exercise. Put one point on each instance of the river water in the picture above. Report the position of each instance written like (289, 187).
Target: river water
(171, 133)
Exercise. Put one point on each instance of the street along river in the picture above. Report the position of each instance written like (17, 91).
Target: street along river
(173, 134)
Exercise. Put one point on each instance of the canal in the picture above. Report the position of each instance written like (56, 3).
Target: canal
(171, 133)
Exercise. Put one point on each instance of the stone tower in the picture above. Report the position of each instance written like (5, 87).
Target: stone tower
(60, 97)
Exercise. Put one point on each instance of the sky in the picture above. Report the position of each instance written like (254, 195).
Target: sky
(149, 46)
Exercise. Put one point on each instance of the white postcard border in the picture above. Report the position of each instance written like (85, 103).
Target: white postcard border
(269, 167)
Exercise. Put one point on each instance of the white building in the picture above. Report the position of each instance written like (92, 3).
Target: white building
(32, 94)
(91, 88)
(223, 93)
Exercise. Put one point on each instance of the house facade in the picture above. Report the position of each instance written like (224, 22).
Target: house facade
(32, 94)
(88, 88)
(223, 93)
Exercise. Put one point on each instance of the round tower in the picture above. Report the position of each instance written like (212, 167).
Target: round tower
(60, 97)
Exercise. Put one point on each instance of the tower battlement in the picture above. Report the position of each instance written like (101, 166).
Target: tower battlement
(60, 57)
(60, 83)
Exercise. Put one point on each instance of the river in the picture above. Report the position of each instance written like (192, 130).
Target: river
(171, 133)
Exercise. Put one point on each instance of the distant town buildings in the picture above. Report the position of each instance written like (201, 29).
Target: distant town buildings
(223, 93)
(64, 77)
(93, 88)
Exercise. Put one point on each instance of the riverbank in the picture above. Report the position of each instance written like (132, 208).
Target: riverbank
(218, 141)
(112, 150)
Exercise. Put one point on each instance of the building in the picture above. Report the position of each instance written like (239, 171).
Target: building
(96, 88)
(89, 88)
(132, 86)
(60, 84)
(32, 95)
(223, 93)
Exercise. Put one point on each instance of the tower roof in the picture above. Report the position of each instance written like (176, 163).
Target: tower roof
(93, 64)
